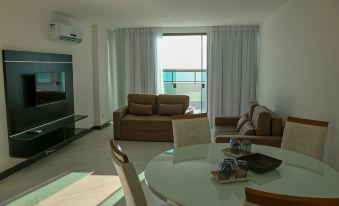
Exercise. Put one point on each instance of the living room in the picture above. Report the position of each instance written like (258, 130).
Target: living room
(295, 75)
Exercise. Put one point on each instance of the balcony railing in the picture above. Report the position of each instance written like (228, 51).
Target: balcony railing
(191, 82)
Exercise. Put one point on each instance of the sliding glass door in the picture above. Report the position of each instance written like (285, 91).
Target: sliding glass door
(183, 60)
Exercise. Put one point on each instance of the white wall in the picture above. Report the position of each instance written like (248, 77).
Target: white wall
(25, 28)
(299, 65)
(197, 29)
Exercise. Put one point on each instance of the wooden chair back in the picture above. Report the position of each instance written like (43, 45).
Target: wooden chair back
(131, 185)
(189, 116)
(122, 157)
(256, 197)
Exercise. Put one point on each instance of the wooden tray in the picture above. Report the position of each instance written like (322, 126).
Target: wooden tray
(228, 152)
(231, 180)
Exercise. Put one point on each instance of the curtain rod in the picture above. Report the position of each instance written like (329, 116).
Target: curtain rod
(184, 34)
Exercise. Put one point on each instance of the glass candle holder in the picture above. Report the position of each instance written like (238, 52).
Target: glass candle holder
(246, 147)
(242, 169)
(235, 145)
(233, 165)
(224, 171)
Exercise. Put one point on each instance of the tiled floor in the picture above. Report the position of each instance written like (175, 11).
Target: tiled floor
(90, 190)
(88, 154)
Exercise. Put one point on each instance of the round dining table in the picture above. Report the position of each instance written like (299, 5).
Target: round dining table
(183, 176)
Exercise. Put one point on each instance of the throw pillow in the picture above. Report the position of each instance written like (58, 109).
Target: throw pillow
(141, 109)
(251, 107)
(243, 119)
(247, 129)
(170, 109)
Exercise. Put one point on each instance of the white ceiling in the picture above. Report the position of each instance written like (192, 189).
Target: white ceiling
(164, 13)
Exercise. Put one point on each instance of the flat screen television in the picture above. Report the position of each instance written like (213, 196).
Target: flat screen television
(50, 87)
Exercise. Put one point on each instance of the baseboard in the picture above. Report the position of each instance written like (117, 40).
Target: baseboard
(103, 125)
(40, 155)
(20, 166)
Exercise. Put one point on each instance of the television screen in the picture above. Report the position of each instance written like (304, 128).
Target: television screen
(50, 87)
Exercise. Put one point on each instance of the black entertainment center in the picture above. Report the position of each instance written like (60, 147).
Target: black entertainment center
(39, 102)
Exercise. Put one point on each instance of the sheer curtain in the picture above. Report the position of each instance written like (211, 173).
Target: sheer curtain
(134, 63)
(232, 69)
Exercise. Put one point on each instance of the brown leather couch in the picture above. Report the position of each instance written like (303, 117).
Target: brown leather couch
(259, 125)
(148, 117)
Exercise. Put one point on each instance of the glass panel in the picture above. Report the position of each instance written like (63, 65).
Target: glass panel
(184, 76)
(201, 75)
(167, 76)
(193, 91)
(198, 76)
(169, 89)
(204, 76)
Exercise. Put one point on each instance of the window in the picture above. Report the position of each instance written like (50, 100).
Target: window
(183, 59)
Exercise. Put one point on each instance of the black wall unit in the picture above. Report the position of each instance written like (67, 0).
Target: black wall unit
(35, 128)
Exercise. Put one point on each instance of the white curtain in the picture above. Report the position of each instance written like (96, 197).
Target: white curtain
(134, 63)
(232, 69)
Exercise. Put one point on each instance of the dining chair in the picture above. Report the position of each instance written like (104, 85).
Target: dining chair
(255, 198)
(305, 136)
(190, 129)
(131, 185)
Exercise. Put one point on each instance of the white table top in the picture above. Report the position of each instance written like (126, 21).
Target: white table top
(183, 176)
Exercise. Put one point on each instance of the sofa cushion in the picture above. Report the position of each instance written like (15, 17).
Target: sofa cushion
(243, 119)
(247, 129)
(174, 99)
(251, 107)
(170, 109)
(261, 120)
(227, 129)
(141, 109)
(147, 135)
(262, 140)
(154, 122)
(148, 99)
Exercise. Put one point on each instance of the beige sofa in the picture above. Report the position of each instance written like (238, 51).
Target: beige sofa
(148, 117)
(259, 125)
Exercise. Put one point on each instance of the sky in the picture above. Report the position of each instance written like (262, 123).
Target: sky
(183, 52)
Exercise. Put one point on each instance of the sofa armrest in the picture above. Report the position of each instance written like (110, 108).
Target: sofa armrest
(190, 110)
(226, 121)
(274, 141)
(119, 113)
(117, 116)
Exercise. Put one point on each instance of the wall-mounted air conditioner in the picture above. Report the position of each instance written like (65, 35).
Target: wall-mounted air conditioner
(61, 31)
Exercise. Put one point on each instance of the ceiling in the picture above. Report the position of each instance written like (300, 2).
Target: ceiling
(162, 13)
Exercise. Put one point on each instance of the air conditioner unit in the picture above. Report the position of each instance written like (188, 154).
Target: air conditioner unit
(61, 31)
